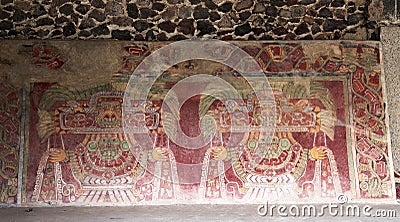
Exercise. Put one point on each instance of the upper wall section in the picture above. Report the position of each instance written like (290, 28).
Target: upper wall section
(180, 19)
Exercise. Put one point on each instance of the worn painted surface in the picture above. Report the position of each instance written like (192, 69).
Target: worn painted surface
(330, 135)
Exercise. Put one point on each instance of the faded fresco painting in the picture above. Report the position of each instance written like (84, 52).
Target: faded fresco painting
(10, 109)
(329, 137)
(317, 134)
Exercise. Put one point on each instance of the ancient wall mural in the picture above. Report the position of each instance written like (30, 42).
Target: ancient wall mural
(10, 109)
(329, 137)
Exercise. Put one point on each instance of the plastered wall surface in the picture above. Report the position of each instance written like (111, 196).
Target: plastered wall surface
(78, 131)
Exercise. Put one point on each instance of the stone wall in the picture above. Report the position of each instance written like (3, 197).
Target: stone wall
(391, 11)
(162, 20)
